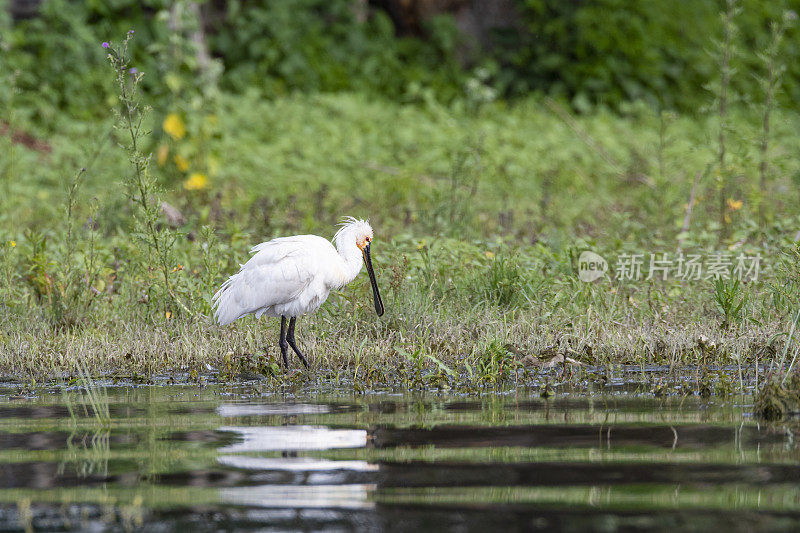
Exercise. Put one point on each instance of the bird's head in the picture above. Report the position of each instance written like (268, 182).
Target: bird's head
(360, 232)
(354, 230)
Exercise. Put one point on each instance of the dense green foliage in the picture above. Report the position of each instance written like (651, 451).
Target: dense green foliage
(603, 51)
(611, 51)
(317, 45)
(275, 48)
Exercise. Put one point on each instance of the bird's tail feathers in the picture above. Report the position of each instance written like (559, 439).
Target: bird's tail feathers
(225, 308)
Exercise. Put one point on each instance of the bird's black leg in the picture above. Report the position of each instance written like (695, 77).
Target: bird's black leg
(283, 344)
(290, 338)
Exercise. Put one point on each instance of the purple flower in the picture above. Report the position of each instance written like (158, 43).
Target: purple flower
(105, 44)
(134, 70)
(130, 32)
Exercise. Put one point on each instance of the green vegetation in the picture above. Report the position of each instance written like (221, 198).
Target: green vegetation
(119, 221)
(477, 244)
(603, 52)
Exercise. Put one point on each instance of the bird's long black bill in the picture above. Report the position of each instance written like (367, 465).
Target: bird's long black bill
(375, 292)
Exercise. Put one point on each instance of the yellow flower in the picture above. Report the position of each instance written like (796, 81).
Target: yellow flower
(181, 163)
(174, 126)
(196, 182)
(168, 315)
(13, 244)
(734, 205)
(489, 254)
(163, 152)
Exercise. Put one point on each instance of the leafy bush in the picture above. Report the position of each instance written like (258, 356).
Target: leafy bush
(59, 59)
(606, 51)
(612, 51)
(318, 45)
(274, 47)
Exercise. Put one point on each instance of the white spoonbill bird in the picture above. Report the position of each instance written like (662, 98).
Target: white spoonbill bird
(292, 276)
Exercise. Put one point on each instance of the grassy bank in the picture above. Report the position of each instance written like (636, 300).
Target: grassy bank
(481, 214)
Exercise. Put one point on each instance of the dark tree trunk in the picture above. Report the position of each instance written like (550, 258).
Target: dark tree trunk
(24, 9)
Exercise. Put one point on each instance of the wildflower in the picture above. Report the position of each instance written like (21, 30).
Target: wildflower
(130, 32)
(174, 126)
(134, 70)
(168, 315)
(489, 254)
(196, 182)
(105, 44)
(13, 244)
(181, 162)
(163, 152)
(734, 205)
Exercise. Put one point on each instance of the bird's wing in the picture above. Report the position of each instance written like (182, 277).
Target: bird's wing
(277, 273)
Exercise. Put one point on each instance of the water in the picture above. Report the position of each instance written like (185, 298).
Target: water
(174, 458)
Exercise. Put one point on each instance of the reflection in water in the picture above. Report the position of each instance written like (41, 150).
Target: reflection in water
(294, 464)
(308, 491)
(304, 496)
(293, 438)
(287, 409)
(180, 458)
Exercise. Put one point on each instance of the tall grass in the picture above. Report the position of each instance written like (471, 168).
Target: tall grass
(159, 240)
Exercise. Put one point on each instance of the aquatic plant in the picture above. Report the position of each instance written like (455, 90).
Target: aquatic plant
(778, 398)
(729, 299)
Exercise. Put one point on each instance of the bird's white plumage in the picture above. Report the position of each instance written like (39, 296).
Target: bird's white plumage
(292, 276)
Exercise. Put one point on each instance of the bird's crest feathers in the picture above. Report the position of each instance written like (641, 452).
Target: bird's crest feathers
(353, 226)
